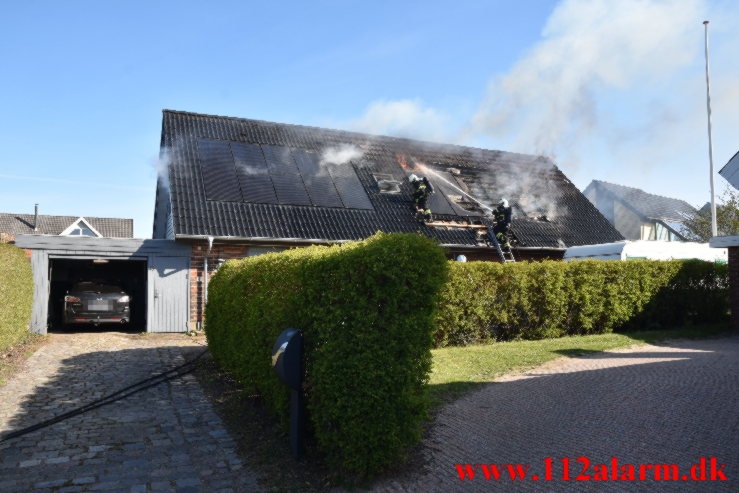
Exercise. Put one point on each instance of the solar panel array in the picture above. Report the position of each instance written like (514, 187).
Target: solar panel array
(242, 172)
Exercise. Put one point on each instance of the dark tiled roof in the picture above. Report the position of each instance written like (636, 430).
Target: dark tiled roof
(648, 205)
(730, 171)
(54, 225)
(534, 186)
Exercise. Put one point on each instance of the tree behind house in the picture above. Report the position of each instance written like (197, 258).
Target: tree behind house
(698, 227)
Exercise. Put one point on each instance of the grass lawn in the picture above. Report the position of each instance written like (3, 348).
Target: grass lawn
(457, 370)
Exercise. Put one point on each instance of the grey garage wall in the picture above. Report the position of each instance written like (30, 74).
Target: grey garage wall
(167, 274)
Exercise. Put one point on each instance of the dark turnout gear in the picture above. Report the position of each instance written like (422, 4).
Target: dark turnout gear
(502, 217)
(421, 190)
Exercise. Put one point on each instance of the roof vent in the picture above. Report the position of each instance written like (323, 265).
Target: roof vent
(387, 183)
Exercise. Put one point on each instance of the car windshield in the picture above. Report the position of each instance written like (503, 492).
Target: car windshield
(94, 286)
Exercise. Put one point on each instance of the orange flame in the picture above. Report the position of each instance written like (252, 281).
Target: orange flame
(405, 162)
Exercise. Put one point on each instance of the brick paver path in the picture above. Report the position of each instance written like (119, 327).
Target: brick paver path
(167, 438)
(654, 404)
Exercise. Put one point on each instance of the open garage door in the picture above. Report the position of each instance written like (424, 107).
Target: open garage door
(128, 274)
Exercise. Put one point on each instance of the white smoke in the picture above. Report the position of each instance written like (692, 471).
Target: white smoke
(407, 118)
(590, 49)
(341, 154)
(527, 186)
(161, 166)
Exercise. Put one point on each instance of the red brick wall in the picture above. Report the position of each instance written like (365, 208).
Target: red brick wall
(734, 286)
(225, 251)
(520, 255)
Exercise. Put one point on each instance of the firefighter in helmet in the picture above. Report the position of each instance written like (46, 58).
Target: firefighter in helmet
(502, 218)
(421, 190)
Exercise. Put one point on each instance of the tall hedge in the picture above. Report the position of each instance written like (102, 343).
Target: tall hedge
(16, 295)
(367, 312)
(490, 301)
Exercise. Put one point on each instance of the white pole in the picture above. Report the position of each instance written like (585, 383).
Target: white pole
(714, 229)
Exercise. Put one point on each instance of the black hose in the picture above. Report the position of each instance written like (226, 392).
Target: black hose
(118, 395)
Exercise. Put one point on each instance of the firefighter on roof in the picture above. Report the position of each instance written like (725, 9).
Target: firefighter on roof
(502, 217)
(421, 190)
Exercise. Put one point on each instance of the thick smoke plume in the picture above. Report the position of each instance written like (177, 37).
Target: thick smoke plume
(590, 49)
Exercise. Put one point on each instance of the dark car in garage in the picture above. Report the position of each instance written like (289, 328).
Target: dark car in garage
(96, 303)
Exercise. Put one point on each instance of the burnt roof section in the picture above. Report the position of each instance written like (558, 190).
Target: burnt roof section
(109, 227)
(648, 205)
(534, 186)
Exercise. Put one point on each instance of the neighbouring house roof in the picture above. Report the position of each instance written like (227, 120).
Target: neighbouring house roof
(730, 171)
(647, 205)
(241, 178)
(110, 227)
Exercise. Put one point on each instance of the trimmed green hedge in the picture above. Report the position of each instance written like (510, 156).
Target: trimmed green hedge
(16, 295)
(367, 312)
(486, 301)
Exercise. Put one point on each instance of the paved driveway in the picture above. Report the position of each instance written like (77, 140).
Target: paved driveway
(167, 438)
(655, 404)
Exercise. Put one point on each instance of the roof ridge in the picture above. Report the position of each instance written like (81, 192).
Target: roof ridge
(644, 191)
(31, 214)
(360, 134)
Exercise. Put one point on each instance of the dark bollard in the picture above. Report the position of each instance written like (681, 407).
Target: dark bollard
(287, 361)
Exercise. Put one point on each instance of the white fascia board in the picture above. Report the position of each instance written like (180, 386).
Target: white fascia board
(724, 241)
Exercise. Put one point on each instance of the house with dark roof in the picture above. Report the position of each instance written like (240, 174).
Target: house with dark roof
(12, 225)
(235, 187)
(639, 215)
(730, 171)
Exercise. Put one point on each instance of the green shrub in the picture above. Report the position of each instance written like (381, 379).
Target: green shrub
(489, 301)
(16, 295)
(367, 312)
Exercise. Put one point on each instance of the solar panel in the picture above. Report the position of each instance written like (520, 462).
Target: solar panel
(456, 187)
(350, 189)
(286, 179)
(317, 180)
(279, 159)
(218, 170)
(251, 171)
(290, 189)
(267, 174)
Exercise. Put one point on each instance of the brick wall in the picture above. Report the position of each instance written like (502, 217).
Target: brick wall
(520, 255)
(225, 251)
(734, 286)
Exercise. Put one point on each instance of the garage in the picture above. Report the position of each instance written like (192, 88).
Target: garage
(68, 274)
(152, 274)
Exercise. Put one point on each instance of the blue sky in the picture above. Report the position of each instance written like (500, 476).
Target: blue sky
(614, 90)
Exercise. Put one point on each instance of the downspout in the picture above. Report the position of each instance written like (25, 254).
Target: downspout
(205, 280)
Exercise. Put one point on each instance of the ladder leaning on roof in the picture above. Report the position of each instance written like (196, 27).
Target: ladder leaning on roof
(505, 257)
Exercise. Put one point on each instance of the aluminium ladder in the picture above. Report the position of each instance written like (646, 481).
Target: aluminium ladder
(505, 257)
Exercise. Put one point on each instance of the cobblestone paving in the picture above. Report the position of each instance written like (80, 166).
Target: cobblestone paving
(164, 439)
(656, 404)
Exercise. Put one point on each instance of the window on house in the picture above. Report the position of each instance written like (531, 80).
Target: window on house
(80, 230)
(666, 231)
(387, 183)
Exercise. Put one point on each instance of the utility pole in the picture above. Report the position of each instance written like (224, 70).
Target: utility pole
(714, 228)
